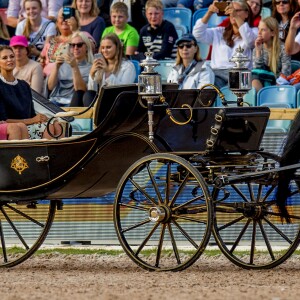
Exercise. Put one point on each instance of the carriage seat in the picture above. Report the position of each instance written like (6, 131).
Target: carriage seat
(44, 106)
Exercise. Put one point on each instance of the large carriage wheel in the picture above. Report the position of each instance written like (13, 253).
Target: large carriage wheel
(163, 213)
(23, 228)
(248, 227)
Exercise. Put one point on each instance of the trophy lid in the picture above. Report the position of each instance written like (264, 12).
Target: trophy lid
(239, 58)
(149, 63)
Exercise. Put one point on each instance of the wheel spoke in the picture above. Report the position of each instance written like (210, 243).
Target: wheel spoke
(185, 234)
(146, 239)
(160, 244)
(182, 185)
(250, 192)
(278, 231)
(268, 193)
(231, 223)
(14, 228)
(240, 193)
(187, 202)
(259, 192)
(160, 200)
(253, 241)
(190, 219)
(240, 236)
(142, 191)
(3, 243)
(168, 182)
(25, 215)
(136, 225)
(264, 234)
(134, 206)
(175, 249)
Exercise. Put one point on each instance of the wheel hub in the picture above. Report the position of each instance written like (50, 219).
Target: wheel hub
(160, 214)
(252, 211)
(156, 214)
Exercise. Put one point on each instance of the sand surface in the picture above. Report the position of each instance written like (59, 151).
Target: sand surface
(58, 276)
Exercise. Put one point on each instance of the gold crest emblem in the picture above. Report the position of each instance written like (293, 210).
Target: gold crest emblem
(19, 164)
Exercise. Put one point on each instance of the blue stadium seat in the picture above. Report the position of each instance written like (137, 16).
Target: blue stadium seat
(4, 4)
(265, 12)
(204, 49)
(298, 99)
(165, 68)
(295, 64)
(283, 96)
(280, 96)
(214, 20)
(179, 16)
(138, 69)
(250, 97)
(181, 30)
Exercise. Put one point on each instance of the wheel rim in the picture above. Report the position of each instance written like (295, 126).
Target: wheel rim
(248, 227)
(162, 206)
(23, 228)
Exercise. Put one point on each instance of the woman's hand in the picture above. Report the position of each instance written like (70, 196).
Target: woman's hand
(70, 59)
(34, 51)
(259, 43)
(212, 8)
(295, 21)
(39, 118)
(60, 59)
(98, 65)
(72, 22)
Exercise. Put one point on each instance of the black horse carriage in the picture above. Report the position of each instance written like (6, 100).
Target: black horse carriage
(204, 172)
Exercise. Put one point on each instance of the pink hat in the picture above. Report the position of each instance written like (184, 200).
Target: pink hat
(18, 40)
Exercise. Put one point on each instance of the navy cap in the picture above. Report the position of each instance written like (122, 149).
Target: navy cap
(188, 37)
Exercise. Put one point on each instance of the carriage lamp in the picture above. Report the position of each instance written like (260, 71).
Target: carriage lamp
(240, 81)
(149, 87)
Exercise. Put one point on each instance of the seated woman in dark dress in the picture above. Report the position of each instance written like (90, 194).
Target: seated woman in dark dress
(16, 104)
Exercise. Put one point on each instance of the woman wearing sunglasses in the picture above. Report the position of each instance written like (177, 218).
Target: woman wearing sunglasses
(225, 40)
(111, 67)
(190, 71)
(71, 71)
(283, 11)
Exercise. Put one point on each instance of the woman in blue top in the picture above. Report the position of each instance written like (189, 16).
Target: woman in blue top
(89, 19)
(16, 105)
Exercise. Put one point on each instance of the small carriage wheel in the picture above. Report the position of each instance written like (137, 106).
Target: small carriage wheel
(163, 213)
(23, 228)
(248, 227)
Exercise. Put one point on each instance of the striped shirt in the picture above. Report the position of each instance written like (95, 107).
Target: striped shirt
(160, 41)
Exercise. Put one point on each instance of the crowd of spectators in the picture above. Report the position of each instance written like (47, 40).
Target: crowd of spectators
(54, 48)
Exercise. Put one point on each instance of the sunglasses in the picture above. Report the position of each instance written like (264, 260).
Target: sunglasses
(79, 45)
(282, 2)
(181, 46)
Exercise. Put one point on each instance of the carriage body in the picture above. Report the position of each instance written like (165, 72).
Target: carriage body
(187, 161)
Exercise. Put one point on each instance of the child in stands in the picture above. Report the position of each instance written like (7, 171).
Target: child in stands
(126, 33)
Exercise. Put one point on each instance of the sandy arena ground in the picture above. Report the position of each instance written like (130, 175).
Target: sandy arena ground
(58, 276)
